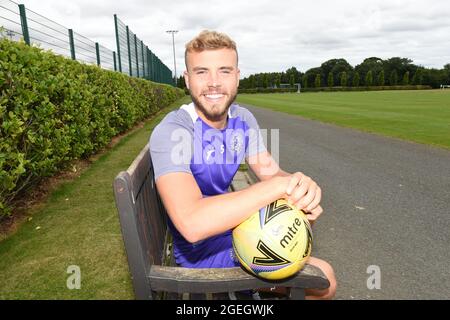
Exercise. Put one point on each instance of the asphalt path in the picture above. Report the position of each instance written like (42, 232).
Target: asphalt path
(385, 228)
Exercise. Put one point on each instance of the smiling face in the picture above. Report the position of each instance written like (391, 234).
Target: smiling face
(212, 78)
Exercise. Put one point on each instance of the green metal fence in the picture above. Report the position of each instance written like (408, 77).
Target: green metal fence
(136, 59)
(10, 20)
(133, 57)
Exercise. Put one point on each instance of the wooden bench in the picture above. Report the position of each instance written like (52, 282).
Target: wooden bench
(147, 239)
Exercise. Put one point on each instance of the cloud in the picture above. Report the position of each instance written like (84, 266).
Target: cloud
(271, 35)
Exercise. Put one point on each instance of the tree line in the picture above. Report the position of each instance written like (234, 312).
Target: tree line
(338, 72)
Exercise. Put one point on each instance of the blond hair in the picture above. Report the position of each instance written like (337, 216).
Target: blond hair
(209, 40)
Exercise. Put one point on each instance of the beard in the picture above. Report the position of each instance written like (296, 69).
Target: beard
(217, 111)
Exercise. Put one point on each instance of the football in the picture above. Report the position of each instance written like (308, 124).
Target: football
(275, 242)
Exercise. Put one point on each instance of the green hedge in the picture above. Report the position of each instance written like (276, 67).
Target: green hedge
(54, 110)
(334, 89)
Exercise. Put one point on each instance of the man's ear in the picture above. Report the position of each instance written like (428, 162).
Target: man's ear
(238, 75)
(186, 79)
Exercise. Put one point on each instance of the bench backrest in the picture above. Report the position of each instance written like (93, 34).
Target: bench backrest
(143, 220)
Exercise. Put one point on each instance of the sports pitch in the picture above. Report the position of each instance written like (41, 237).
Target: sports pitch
(420, 116)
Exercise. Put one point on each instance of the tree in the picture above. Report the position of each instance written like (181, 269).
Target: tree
(405, 81)
(356, 79)
(414, 78)
(180, 82)
(266, 80)
(381, 78)
(311, 76)
(295, 72)
(447, 71)
(435, 77)
(335, 66)
(343, 79)
(393, 79)
(401, 65)
(259, 80)
(330, 79)
(252, 82)
(305, 81)
(369, 78)
(373, 63)
(278, 80)
(292, 80)
(417, 77)
(317, 81)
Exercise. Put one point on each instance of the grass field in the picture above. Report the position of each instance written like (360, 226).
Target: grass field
(420, 116)
(77, 225)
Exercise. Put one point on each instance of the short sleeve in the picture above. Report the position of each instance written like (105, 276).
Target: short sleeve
(170, 149)
(256, 141)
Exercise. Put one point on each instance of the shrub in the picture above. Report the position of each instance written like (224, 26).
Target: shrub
(54, 110)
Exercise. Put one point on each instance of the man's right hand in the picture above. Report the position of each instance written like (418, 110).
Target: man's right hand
(304, 193)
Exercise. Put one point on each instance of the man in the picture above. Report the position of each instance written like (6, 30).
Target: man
(196, 150)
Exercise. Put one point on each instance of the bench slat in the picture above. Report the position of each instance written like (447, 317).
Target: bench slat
(138, 261)
(139, 170)
(153, 228)
(214, 280)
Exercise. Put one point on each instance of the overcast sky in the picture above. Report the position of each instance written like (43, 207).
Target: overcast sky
(271, 35)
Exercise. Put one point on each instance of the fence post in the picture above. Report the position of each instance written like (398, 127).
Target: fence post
(114, 58)
(155, 67)
(143, 60)
(129, 51)
(137, 56)
(148, 64)
(72, 44)
(23, 20)
(118, 44)
(152, 67)
(97, 51)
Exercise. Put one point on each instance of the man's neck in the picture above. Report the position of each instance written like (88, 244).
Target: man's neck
(219, 124)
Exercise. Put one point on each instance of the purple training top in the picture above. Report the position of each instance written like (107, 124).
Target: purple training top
(183, 142)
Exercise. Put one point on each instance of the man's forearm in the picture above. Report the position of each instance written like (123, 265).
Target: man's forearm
(279, 173)
(217, 214)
